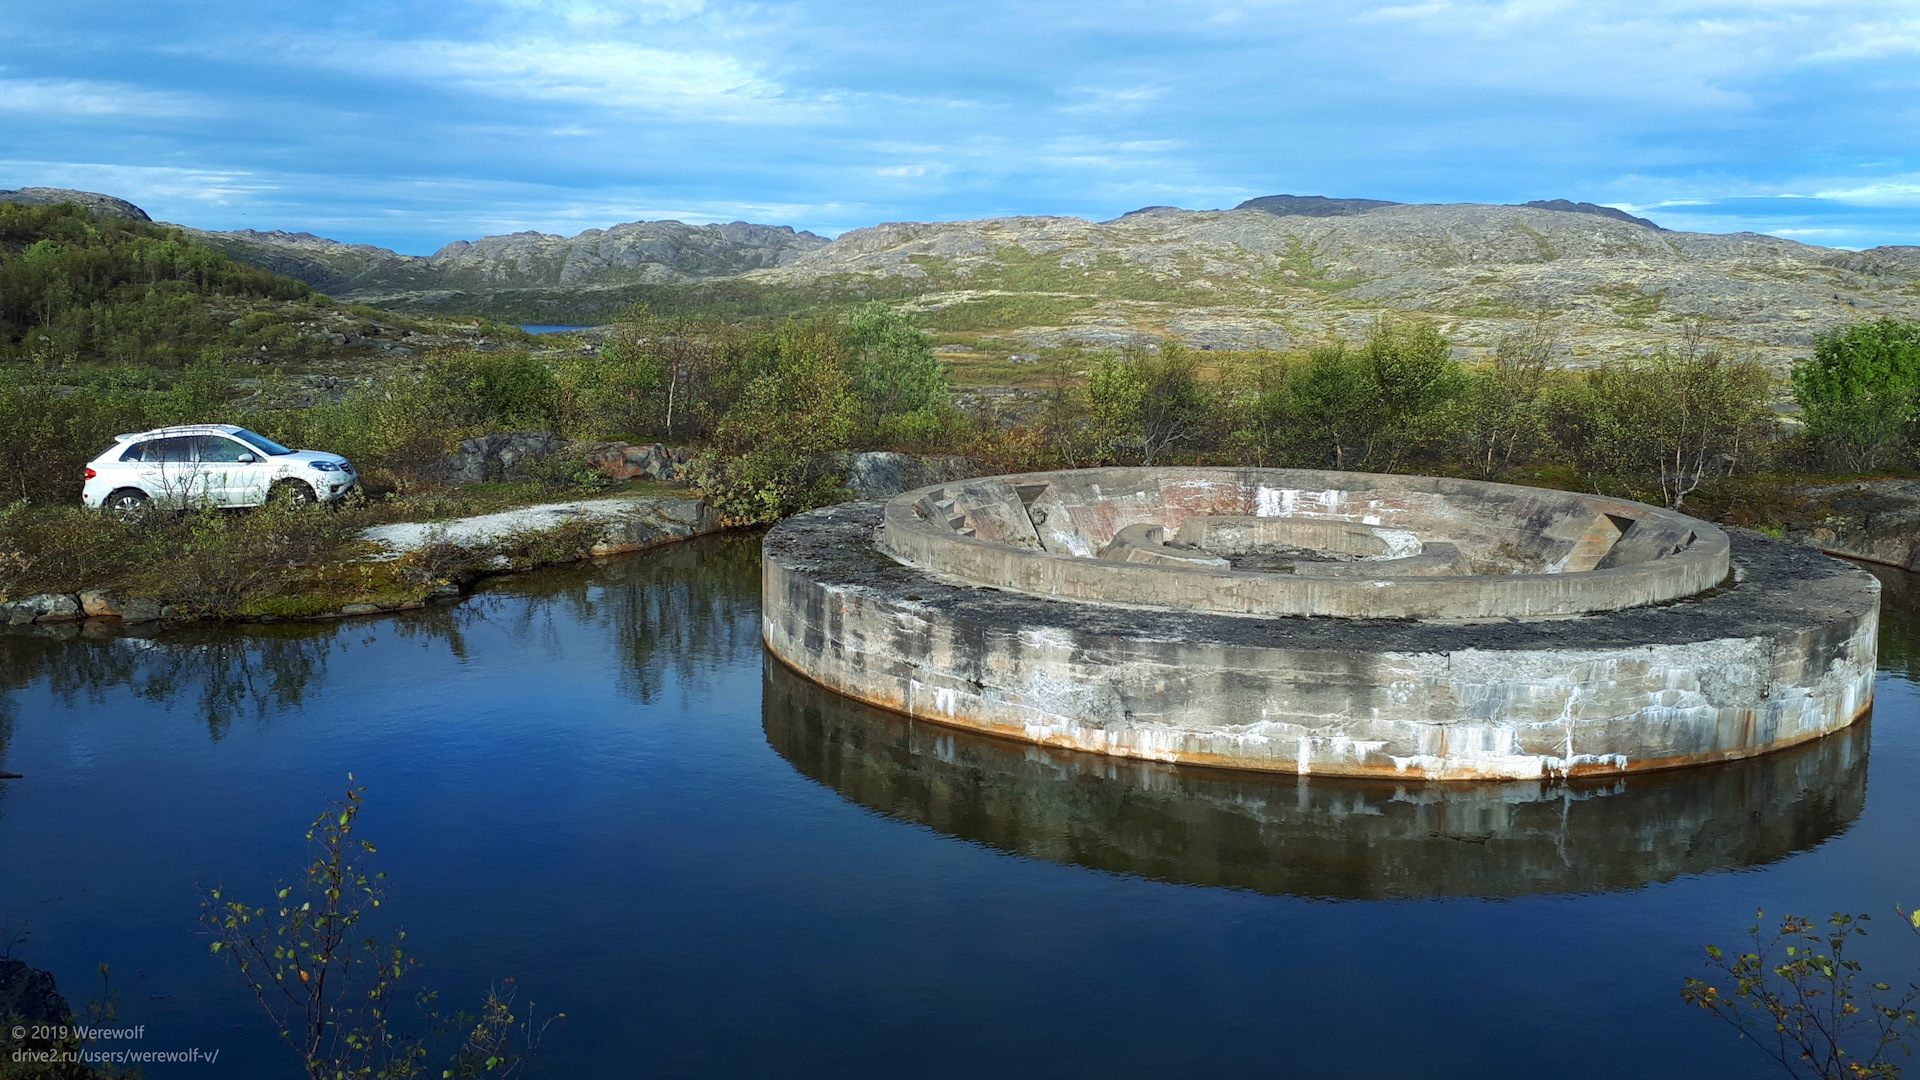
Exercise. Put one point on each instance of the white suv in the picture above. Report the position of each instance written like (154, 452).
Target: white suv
(210, 465)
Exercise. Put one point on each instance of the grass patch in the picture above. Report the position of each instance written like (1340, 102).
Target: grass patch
(1004, 312)
(1629, 302)
(1298, 268)
(1547, 254)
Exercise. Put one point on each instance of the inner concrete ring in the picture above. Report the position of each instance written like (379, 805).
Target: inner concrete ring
(1363, 545)
(1478, 660)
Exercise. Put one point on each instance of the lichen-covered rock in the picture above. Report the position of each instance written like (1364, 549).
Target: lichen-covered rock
(883, 474)
(141, 610)
(501, 456)
(626, 461)
(43, 608)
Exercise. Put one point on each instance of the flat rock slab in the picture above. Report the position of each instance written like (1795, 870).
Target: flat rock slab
(626, 523)
(1876, 520)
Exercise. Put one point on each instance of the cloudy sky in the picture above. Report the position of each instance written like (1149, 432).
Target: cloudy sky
(409, 124)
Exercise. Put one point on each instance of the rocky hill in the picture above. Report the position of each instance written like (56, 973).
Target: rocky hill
(1249, 277)
(1276, 272)
(99, 204)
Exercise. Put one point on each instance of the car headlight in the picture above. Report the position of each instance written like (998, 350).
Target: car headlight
(326, 466)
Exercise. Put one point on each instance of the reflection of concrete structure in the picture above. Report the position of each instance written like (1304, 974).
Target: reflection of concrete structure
(1324, 622)
(1320, 836)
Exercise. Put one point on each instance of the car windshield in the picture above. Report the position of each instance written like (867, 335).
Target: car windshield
(261, 443)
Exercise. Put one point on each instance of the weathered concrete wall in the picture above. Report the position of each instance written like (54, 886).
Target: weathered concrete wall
(1319, 836)
(1534, 552)
(1782, 656)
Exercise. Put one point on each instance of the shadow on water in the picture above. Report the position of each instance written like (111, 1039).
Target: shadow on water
(1325, 837)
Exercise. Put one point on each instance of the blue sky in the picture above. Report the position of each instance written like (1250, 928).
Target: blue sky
(410, 124)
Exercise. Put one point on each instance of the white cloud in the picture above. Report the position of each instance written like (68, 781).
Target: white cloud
(1896, 192)
(86, 97)
(147, 186)
(606, 74)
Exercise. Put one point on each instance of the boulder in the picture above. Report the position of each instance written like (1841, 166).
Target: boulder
(883, 474)
(626, 461)
(502, 455)
(45, 608)
(139, 610)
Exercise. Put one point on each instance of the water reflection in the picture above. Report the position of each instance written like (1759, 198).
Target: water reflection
(1327, 837)
(676, 615)
(1899, 606)
(225, 674)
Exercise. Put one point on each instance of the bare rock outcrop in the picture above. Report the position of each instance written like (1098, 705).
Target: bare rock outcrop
(104, 205)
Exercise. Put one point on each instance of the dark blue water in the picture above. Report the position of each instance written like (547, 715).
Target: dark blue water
(544, 328)
(591, 781)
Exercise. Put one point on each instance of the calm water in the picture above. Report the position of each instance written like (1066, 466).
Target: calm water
(590, 780)
(554, 328)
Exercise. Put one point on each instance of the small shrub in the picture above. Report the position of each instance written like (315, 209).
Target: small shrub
(1804, 1002)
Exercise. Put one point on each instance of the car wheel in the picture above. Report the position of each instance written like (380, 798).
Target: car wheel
(127, 504)
(291, 493)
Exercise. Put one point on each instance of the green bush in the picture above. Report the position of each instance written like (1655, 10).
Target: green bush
(1500, 416)
(788, 403)
(1660, 429)
(1860, 391)
(1147, 401)
(1365, 407)
(893, 374)
(49, 433)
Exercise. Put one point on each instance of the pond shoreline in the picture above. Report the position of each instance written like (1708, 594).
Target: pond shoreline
(448, 558)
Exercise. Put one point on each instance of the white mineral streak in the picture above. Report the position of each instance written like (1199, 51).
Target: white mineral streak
(1400, 543)
(1292, 502)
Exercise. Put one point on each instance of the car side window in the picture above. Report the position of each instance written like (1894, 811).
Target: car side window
(216, 448)
(175, 451)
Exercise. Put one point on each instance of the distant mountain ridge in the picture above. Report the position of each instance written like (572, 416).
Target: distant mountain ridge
(639, 253)
(1321, 206)
(1312, 205)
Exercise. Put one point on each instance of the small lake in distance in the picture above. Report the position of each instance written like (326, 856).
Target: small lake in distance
(591, 780)
(552, 329)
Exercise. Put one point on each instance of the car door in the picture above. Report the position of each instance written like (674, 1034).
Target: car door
(235, 474)
(166, 471)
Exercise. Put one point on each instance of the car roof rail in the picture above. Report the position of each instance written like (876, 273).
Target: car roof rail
(227, 429)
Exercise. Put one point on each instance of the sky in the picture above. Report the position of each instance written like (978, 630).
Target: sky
(410, 124)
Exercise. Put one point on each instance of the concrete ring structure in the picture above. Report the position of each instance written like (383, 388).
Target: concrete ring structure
(1324, 623)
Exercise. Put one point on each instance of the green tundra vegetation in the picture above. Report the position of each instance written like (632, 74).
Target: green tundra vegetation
(73, 285)
(772, 401)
